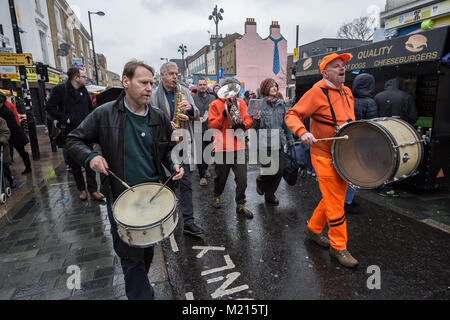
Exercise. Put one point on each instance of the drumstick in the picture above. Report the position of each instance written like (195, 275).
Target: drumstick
(334, 138)
(327, 139)
(165, 183)
(121, 181)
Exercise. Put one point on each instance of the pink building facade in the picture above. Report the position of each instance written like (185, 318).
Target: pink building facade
(258, 58)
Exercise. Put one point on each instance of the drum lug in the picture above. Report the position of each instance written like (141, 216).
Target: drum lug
(162, 231)
(130, 239)
(406, 158)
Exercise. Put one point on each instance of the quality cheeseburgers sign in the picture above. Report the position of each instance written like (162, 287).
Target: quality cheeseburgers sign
(420, 47)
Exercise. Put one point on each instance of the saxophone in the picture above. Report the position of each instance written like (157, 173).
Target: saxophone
(179, 118)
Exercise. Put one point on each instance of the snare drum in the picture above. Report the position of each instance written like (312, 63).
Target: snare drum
(378, 151)
(140, 223)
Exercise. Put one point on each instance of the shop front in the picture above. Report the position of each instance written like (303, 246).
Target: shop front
(417, 61)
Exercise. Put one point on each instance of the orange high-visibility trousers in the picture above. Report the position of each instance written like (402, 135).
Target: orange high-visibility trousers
(331, 208)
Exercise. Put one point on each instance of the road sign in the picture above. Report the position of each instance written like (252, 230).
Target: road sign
(8, 69)
(8, 76)
(16, 59)
(220, 73)
(295, 54)
(6, 50)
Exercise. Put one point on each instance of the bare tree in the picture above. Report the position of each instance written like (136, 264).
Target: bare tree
(361, 28)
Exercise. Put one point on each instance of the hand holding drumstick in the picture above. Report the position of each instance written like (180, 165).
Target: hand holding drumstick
(308, 139)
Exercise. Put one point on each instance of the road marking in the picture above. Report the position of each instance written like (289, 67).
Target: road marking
(173, 243)
(189, 296)
(205, 250)
(229, 265)
(214, 280)
(223, 289)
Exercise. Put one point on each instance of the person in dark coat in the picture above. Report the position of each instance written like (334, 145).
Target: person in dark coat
(395, 102)
(363, 92)
(70, 104)
(18, 139)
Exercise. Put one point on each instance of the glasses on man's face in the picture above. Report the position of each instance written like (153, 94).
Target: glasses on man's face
(84, 77)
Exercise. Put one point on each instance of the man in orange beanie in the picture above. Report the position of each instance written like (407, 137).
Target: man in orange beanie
(329, 104)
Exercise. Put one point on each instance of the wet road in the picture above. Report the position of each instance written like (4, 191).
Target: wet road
(263, 258)
(268, 257)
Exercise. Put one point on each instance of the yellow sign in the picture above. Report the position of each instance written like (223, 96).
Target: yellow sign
(16, 59)
(8, 76)
(31, 75)
(53, 78)
(295, 54)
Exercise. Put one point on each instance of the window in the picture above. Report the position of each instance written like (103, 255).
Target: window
(58, 20)
(332, 49)
(38, 6)
(43, 46)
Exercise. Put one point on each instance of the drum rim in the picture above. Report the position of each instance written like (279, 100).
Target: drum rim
(172, 211)
(155, 242)
(420, 144)
(378, 126)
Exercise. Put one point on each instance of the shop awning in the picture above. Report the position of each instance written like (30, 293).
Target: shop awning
(421, 47)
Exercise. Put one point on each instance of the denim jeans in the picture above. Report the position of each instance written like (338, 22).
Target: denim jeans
(349, 195)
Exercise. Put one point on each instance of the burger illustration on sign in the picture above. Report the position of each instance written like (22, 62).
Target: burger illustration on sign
(416, 43)
(307, 64)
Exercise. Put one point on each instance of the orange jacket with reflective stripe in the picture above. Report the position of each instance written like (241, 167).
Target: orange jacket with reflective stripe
(314, 104)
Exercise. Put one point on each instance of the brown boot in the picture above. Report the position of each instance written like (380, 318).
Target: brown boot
(83, 195)
(344, 257)
(317, 238)
(97, 196)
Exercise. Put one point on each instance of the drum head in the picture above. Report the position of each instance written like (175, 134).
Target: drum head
(367, 159)
(133, 209)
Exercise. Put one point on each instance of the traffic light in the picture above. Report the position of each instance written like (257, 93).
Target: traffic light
(42, 71)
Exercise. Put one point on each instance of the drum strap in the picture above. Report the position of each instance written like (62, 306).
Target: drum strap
(325, 91)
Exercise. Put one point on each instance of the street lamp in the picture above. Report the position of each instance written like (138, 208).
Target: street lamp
(216, 16)
(101, 14)
(182, 48)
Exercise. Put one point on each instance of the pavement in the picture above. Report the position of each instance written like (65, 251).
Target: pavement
(45, 229)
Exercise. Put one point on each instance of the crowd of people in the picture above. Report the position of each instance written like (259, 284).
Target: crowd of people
(132, 137)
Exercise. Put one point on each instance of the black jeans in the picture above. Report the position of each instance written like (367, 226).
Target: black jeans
(203, 166)
(135, 263)
(223, 170)
(185, 196)
(79, 178)
(269, 183)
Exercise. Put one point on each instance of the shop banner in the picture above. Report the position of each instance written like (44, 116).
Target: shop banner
(416, 48)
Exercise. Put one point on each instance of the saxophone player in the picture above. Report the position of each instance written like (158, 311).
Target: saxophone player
(165, 98)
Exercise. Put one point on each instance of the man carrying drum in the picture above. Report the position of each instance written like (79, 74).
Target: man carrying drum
(147, 132)
(329, 104)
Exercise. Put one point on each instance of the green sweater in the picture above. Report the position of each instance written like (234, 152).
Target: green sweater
(139, 158)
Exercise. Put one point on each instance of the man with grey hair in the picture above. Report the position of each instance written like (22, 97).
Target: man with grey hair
(164, 99)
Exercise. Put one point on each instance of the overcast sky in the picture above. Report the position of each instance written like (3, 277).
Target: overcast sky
(152, 29)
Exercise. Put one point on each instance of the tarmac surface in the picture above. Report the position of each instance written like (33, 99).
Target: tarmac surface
(45, 229)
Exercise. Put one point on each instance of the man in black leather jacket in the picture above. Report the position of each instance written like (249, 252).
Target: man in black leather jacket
(135, 141)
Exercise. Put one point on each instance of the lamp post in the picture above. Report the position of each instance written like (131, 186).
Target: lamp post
(101, 14)
(216, 16)
(182, 48)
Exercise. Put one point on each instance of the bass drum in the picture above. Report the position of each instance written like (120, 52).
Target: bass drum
(142, 224)
(378, 151)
